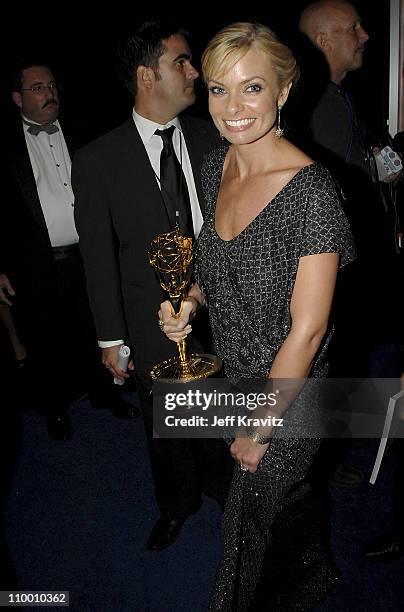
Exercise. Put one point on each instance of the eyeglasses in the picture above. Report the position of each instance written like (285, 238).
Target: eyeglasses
(38, 89)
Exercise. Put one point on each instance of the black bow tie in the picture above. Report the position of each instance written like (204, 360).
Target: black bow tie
(35, 129)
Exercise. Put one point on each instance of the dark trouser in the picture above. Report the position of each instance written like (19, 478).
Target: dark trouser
(10, 446)
(183, 469)
(57, 327)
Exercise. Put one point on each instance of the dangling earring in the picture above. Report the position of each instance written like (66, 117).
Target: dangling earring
(221, 136)
(279, 129)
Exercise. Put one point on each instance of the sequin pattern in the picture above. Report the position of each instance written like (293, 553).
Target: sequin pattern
(248, 281)
(273, 551)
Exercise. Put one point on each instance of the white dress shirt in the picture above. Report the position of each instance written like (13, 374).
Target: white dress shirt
(154, 145)
(51, 165)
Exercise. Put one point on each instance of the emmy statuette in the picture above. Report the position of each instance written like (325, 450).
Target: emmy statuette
(171, 255)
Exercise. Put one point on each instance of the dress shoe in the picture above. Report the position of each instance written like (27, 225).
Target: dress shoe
(167, 530)
(347, 476)
(59, 428)
(385, 548)
(164, 533)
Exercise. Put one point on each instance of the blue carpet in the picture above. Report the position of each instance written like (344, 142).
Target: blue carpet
(80, 512)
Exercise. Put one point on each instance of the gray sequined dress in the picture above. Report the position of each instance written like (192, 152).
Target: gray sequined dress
(274, 557)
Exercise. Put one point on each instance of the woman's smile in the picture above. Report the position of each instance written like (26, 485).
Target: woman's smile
(238, 125)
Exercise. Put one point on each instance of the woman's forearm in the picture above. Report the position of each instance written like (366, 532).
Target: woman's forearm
(296, 355)
(290, 368)
(196, 294)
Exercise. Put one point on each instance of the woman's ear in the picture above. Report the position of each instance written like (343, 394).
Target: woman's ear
(283, 94)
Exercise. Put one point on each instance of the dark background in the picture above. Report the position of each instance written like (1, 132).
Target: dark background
(80, 43)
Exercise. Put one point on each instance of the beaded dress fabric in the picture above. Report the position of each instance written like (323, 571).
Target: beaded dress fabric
(274, 556)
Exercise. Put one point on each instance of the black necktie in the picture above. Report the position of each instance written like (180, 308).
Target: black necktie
(35, 129)
(174, 188)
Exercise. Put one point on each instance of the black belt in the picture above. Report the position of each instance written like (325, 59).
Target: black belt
(64, 252)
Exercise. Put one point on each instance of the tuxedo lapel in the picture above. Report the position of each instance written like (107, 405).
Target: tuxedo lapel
(135, 164)
(25, 178)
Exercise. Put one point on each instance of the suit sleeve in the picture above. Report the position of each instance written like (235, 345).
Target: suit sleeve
(99, 245)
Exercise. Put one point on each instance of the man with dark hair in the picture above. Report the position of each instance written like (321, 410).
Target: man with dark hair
(40, 254)
(123, 202)
(145, 48)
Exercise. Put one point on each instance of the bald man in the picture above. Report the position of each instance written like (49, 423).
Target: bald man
(342, 143)
(366, 322)
(334, 27)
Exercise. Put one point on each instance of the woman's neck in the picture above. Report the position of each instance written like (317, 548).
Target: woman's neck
(256, 157)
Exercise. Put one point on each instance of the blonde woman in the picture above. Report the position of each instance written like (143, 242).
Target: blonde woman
(267, 258)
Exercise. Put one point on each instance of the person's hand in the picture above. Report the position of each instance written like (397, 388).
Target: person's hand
(177, 328)
(6, 289)
(110, 361)
(394, 178)
(248, 453)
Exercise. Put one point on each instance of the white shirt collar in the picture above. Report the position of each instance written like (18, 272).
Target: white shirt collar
(146, 127)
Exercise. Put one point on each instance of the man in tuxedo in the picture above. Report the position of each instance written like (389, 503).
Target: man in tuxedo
(123, 202)
(40, 254)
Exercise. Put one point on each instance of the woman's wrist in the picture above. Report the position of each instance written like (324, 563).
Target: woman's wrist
(195, 303)
(197, 294)
(255, 436)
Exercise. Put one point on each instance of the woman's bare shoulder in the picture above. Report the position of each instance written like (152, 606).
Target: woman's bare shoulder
(296, 158)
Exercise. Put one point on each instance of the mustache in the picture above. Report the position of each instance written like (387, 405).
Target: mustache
(51, 101)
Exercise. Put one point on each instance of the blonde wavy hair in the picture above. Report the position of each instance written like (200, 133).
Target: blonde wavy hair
(231, 43)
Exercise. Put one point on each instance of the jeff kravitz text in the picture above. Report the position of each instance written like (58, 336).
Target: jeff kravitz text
(227, 421)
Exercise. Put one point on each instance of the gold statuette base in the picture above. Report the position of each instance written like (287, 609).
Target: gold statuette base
(195, 367)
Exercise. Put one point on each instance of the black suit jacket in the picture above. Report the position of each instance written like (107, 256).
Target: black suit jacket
(26, 249)
(119, 210)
